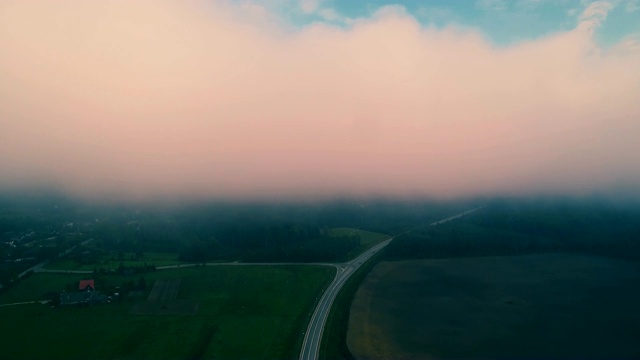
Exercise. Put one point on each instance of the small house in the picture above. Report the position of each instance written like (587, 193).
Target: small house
(87, 285)
(82, 298)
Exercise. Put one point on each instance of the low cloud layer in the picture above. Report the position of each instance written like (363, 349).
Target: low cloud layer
(145, 98)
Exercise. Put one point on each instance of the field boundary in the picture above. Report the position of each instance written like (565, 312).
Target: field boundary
(334, 339)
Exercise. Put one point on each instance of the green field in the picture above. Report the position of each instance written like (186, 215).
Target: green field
(243, 312)
(112, 262)
(368, 239)
(533, 306)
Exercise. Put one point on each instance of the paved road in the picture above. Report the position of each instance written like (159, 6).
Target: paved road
(40, 266)
(311, 343)
(27, 302)
(456, 216)
(237, 263)
(313, 336)
(61, 271)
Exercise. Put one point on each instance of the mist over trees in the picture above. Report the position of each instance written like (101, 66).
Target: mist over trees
(527, 227)
(263, 232)
(201, 231)
(36, 228)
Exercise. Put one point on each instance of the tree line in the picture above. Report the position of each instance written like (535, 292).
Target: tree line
(526, 227)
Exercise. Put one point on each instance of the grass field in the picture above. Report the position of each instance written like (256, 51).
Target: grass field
(111, 262)
(243, 312)
(368, 239)
(535, 306)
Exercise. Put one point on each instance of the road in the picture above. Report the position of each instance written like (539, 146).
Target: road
(27, 302)
(313, 336)
(40, 266)
(456, 216)
(237, 263)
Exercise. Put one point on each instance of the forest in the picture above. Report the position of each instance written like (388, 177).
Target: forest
(527, 226)
(39, 227)
(36, 228)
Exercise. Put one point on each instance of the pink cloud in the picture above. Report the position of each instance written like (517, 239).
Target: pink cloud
(147, 98)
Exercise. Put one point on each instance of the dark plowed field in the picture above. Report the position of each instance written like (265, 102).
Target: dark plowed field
(535, 306)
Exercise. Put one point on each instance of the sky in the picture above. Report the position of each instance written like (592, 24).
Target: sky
(312, 98)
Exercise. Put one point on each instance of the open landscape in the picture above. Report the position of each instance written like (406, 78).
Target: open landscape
(513, 278)
(242, 312)
(114, 261)
(319, 179)
(531, 306)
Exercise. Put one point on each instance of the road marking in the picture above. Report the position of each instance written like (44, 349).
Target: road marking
(310, 348)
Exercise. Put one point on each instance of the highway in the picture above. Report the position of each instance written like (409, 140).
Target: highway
(341, 267)
(313, 336)
(456, 216)
(40, 268)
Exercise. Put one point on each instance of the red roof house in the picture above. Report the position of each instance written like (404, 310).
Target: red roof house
(87, 285)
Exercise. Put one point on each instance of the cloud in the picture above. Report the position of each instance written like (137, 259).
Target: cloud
(436, 14)
(573, 12)
(596, 10)
(492, 5)
(632, 6)
(309, 6)
(325, 13)
(144, 98)
(629, 44)
(332, 16)
(529, 4)
(594, 14)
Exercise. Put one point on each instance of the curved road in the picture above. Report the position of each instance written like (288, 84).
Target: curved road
(313, 336)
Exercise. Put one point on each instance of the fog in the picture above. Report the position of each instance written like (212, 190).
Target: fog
(211, 99)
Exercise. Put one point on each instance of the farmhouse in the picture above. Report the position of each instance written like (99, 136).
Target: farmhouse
(85, 296)
(87, 285)
(82, 298)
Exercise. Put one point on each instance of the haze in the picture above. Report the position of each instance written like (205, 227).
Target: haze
(231, 99)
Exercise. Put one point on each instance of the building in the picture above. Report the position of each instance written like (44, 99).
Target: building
(86, 295)
(87, 285)
(82, 298)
